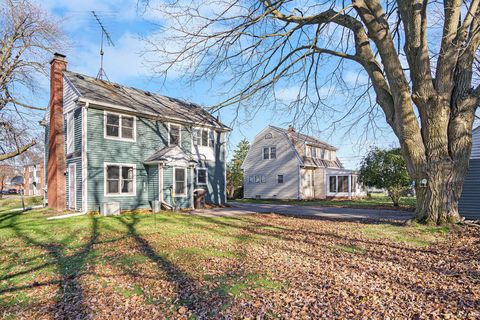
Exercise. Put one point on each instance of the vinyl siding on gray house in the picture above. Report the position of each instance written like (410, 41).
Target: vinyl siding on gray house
(469, 204)
(286, 164)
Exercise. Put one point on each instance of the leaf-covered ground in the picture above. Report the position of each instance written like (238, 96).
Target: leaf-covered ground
(141, 266)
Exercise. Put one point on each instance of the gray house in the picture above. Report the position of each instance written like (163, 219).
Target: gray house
(469, 204)
(112, 144)
(285, 164)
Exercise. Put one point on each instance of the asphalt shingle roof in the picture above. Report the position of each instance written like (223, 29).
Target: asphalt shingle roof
(300, 137)
(141, 101)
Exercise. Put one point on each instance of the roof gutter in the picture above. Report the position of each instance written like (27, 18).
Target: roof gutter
(116, 107)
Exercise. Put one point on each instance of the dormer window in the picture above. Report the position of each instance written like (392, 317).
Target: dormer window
(119, 126)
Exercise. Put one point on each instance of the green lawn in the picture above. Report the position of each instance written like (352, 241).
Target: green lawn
(172, 265)
(375, 201)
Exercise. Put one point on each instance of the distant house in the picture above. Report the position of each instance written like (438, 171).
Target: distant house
(33, 179)
(285, 164)
(469, 204)
(112, 145)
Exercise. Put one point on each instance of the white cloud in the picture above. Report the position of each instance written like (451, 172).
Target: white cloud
(121, 62)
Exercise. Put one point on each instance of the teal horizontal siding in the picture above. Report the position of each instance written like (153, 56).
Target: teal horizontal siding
(77, 118)
(152, 177)
(151, 136)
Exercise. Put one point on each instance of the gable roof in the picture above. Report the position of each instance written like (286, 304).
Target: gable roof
(139, 101)
(298, 137)
(172, 154)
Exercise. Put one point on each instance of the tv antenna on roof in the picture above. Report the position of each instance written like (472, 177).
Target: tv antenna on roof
(101, 73)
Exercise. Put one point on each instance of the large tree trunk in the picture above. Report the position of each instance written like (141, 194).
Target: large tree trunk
(437, 201)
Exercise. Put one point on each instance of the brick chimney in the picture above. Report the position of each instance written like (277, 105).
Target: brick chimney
(56, 147)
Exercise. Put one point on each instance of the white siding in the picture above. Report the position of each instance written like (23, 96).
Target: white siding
(286, 164)
(476, 144)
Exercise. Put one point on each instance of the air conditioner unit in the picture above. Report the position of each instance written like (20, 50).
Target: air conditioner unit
(110, 208)
(156, 206)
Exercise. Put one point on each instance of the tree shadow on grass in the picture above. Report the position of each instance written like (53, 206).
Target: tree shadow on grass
(202, 303)
(70, 298)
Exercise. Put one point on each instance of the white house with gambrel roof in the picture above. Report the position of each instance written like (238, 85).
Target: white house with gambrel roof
(285, 164)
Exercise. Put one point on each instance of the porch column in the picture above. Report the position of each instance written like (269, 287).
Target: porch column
(192, 187)
(350, 186)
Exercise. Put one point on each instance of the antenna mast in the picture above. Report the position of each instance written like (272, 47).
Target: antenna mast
(101, 73)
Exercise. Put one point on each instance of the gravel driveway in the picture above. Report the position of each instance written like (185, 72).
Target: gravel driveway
(240, 208)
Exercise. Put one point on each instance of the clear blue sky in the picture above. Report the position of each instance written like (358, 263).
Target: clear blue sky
(125, 64)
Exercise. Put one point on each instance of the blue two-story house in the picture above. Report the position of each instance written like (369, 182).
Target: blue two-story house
(111, 144)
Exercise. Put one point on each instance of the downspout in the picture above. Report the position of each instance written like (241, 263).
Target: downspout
(85, 158)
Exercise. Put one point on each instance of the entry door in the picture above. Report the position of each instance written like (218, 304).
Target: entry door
(309, 184)
(72, 188)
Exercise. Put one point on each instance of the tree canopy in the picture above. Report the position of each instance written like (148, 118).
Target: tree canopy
(386, 169)
(417, 57)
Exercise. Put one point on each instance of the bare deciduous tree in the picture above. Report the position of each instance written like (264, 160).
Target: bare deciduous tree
(28, 38)
(418, 56)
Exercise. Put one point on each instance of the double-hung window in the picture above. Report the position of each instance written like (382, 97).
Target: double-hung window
(119, 126)
(180, 181)
(203, 137)
(269, 152)
(280, 178)
(314, 152)
(202, 176)
(174, 135)
(197, 137)
(120, 179)
(70, 133)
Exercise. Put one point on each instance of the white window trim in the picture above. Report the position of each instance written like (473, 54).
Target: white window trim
(70, 132)
(119, 138)
(209, 136)
(340, 193)
(283, 178)
(179, 133)
(206, 176)
(74, 165)
(269, 152)
(131, 194)
(182, 195)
